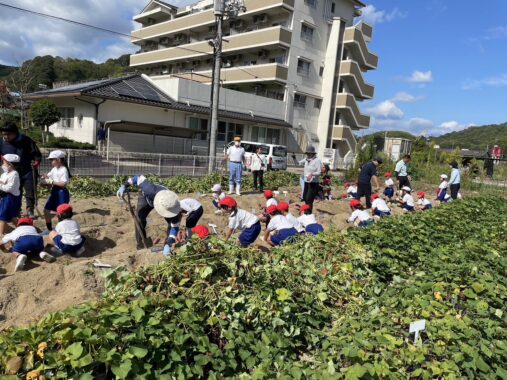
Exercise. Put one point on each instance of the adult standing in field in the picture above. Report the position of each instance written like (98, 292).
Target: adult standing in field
(258, 166)
(101, 139)
(401, 172)
(236, 156)
(14, 142)
(311, 175)
(367, 173)
(455, 180)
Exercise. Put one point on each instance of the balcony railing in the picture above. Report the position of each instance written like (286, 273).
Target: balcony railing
(347, 105)
(355, 41)
(352, 74)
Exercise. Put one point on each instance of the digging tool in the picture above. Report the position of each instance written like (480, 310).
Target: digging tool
(214, 226)
(35, 195)
(137, 223)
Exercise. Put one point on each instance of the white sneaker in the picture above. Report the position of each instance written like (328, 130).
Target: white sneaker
(20, 263)
(80, 251)
(47, 257)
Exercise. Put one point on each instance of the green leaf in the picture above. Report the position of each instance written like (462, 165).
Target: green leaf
(137, 313)
(322, 296)
(477, 287)
(122, 369)
(74, 351)
(138, 352)
(82, 362)
(481, 365)
(283, 294)
(205, 272)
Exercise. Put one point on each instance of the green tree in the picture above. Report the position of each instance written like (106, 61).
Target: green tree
(43, 114)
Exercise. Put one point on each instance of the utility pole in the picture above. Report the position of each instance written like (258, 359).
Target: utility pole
(229, 9)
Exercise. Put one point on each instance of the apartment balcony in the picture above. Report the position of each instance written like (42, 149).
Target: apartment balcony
(202, 19)
(344, 133)
(155, 15)
(353, 76)
(347, 106)
(355, 42)
(272, 72)
(257, 39)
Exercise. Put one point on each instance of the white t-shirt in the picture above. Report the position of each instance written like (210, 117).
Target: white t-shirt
(423, 202)
(10, 183)
(189, 204)
(295, 223)
(408, 200)
(361, 214)
(352, 189)
(278, 223)
(236, 154)
(18, 232)
(70, 232)
(443, 185)
(60, 174)
(306, 220)
(271, 202)
(380, 205)
(389, 182)
(218, 196)
(257, 161)
(242, 219)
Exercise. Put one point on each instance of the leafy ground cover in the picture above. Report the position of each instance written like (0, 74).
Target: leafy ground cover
(334, 306)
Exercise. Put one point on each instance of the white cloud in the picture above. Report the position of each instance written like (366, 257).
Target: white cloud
(386, 110)
(372, 15)
(405, 97)
(421, 77)
(494, 81)
(418, 126)
(26, 35)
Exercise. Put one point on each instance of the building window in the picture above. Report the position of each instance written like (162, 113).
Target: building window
(299, 101)
(67, 119)
(337, 118)
(333, 6)
(317, 103)
(303, 67)
(306, 33)
(311, 3)
(266, 135)
(200, 125)
(222, 131)
(321, 71)
(234, 130)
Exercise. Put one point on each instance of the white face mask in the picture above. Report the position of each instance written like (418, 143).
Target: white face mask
(237, 143)
(5, 168)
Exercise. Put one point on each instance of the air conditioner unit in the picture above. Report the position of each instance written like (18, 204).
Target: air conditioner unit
(165, 41)
(260, 19)
(263, 54)
(179, 38)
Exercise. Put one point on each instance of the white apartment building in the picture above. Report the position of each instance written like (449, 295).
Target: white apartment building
(306, 55)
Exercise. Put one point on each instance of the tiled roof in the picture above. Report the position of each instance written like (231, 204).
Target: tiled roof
(136, 89)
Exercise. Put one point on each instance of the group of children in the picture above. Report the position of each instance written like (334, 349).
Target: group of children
(25, 240)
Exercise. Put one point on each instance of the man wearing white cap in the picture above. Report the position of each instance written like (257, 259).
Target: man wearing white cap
(30, 157)
(10, 196)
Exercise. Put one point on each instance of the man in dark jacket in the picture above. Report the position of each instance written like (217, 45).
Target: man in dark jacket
(14, 142)
(368, 171)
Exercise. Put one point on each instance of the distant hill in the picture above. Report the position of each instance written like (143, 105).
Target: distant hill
(477, 138)
(5, 71)
(398, 134)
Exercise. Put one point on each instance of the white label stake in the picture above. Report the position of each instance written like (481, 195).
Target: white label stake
(214, 226)
(416, 327)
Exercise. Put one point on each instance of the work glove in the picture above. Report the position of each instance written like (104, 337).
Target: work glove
(167, 250)
(121, 191)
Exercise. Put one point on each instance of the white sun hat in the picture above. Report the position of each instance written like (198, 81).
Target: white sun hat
(56, 154)
(166, 204)
(406, 188)
(217, 188)
(443, 176)
(12, 158)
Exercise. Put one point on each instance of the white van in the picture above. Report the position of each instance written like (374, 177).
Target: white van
(275, 154)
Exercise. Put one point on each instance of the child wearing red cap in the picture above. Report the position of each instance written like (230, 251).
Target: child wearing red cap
(359, 217)
(422, 202)
(379, 207)
(389, 190)
(67, 238)
(10, 195)
(241, 220)
(351, 189)
(25, 240)
(270, 201)
(308, 221)
(283, 207)
(201, 231)
(279, 229)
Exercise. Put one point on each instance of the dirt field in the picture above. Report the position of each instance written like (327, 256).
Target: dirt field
(42, 287)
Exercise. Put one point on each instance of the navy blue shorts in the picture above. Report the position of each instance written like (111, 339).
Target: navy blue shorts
(9, 207)
(59, 196)
(250, 235)
(314, 229)
(408, 208)
(389, 192)
(66, 248)
(27, 244)
(365, 223)
(382, 213)
(428, 207)
(284, 235)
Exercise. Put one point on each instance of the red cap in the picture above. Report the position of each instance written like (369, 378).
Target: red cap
(283, 206)
(355, 203)
(26, 221)
(374, 196)
(305, 208)
(272, 209)
(268, 193)
(201, 231)
(388, 174)
(421, 194)
(228, 202)
(346, 184)
(65, 207)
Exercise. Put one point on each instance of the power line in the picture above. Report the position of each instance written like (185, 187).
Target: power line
(40, 14)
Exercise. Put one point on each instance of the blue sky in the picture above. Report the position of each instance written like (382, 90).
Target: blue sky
(442, 62)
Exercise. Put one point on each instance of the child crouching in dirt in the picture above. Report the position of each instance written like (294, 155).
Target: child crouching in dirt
(442, 189)
(218, 195)
(67, 238)
(308, 221)
(283, 207)
(422, 202)
(359, 217)
(25, 241)
(407, 201)
(270, 201)
(241, 220)
(10, 195)
(379, 207)
(279, 229)
(389, 189)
